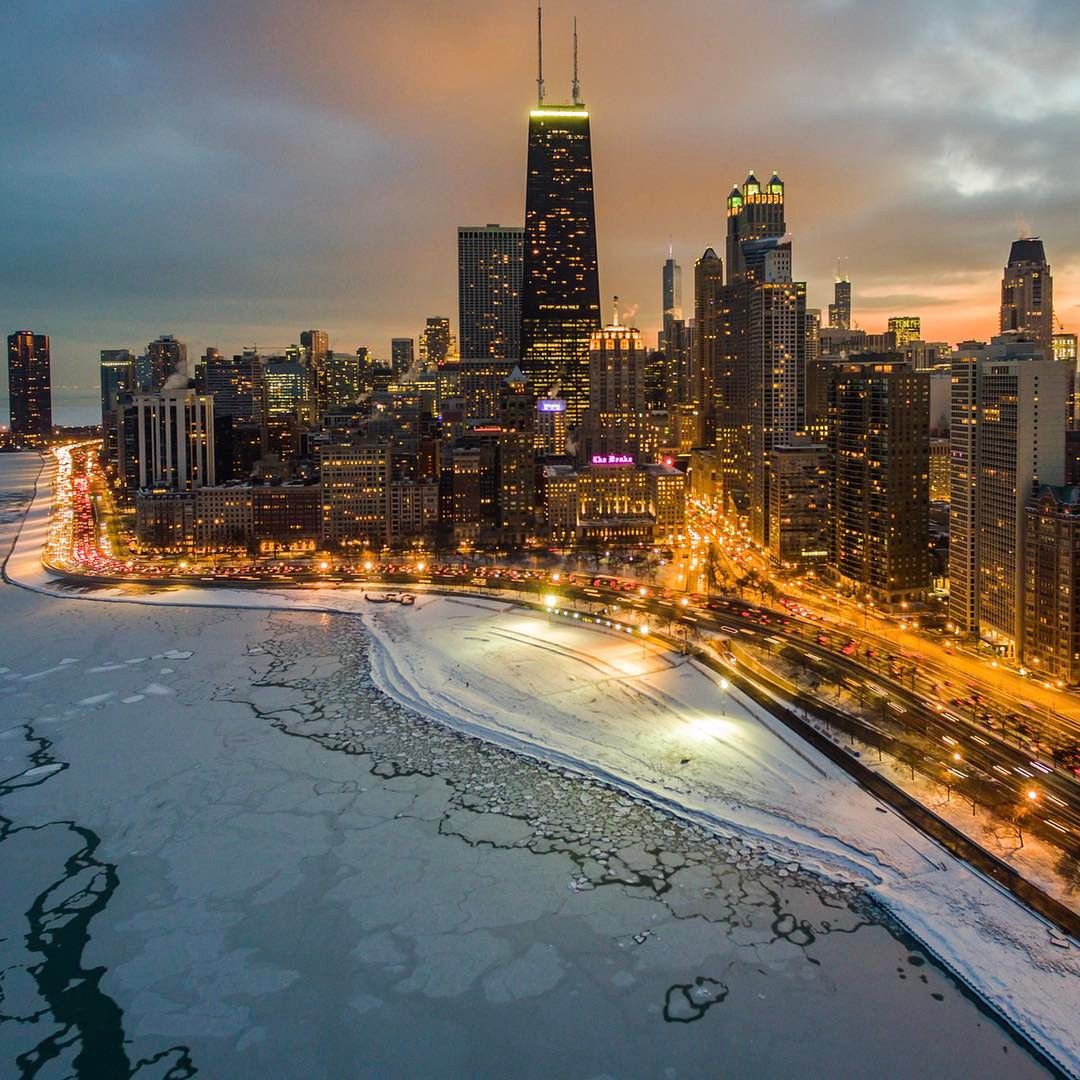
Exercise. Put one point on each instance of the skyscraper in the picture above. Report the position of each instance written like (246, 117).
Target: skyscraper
(768, 352)
(435, 344)
(166, 356)
(1027, 293)
(315, 354)
(707, 372)
(615, 421)
(1003, 446)
(840, 308)
(672, 289)
(560, 301)
(29, 383)
(490, 267)
(879, 445)
(238, 386)
(176, 439)
(402, 354)
(117, 372)
(907, 328)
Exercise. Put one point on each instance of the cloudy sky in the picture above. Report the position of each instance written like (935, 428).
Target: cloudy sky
(235, 170)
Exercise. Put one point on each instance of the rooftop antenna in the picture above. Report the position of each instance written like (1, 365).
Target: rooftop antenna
(539, 54)
(615, 318)
(575, 86)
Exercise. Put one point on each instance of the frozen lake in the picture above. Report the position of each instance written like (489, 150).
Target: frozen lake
(224, 852)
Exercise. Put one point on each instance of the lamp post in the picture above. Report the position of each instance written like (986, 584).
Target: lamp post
(724, 685)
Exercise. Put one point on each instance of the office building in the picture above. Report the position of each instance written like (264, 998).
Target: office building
(29, 384)
(840, 308)
(402, 355)
(315, 355)
(560, 299)
(906, 329)
(176, 439)
(1007, 439)
(117, 375)
(288, 388)
(763, 395)
(705, 384)
(880, 478)
(237, 385)
(490, 269)
(1027, 294)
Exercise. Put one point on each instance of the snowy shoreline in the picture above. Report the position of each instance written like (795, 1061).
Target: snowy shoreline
(992, 944)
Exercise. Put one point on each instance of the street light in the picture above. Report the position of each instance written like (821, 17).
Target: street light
(724, 685)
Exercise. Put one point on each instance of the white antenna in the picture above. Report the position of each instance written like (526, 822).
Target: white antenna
(615, 317)
(575, 86)
(539, 54)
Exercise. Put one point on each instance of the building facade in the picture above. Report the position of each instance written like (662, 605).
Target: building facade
(1027, 294)
(1007, 439)
(176, 439)
(29, 384)
(560, 300)
(880, 478)
(490, 272)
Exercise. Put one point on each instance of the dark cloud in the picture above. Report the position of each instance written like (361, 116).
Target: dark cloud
(234, 171)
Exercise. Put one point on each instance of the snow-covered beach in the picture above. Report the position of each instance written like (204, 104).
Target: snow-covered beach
(384, 897)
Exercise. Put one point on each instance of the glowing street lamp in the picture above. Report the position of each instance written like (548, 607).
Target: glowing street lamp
(724, 686)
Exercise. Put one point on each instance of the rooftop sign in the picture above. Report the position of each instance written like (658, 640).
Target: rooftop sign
(551, 405)
(608, 460)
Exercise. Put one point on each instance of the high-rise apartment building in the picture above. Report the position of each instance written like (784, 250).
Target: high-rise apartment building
(616, 418)
(176, 439)
(1051, 641)
(402, 354)
(906, 328)
(879, 443)
(490, 269)
(840, 308)
(29, 384)
(166, 357)
(1007, 438)
(560, 300)
(768, 335)
(799, 503)
(435, 340)
(710, 367)
(1027, 293)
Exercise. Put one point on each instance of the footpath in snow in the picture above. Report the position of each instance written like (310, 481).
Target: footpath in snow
(662, 728)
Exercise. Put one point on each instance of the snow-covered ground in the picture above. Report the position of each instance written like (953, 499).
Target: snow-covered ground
(661, 729)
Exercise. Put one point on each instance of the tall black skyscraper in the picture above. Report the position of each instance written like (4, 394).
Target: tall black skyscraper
(29, 383)
(560, 303)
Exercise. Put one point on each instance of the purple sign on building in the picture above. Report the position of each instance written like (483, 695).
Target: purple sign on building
(551, 404)
(613, 459)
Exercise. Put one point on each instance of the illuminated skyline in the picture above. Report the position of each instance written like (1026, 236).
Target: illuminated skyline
(186, 169)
